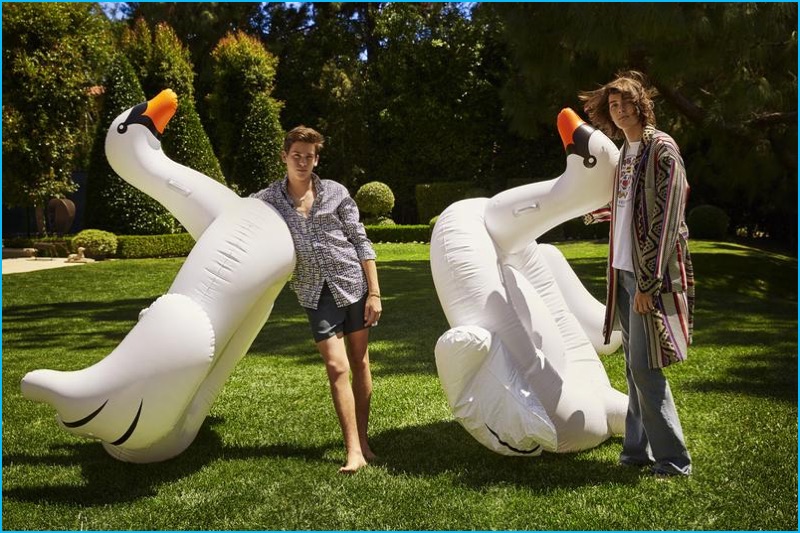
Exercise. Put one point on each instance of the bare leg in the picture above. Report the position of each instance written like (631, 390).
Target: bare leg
(358, 355)
(337, 366)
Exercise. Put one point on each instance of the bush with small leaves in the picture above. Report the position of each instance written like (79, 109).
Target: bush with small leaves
(375, 198)
(98, 244)
(708, 222)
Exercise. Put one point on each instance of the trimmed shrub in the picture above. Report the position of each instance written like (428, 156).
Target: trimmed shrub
(112, 203)
(433, 198)
(142, 246)
(245, 119)
(399, 233)
(708, 222)
(433, 221)
(375, 198)
(99, 244)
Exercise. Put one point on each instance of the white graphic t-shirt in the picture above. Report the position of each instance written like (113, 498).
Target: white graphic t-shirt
(623, 218)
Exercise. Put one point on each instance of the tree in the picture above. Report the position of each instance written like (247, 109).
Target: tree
(200, 25)
(726, 74)
(160, 61)
(319, 77)
(244, 118)
(52, 54)
(112, 203)
(432, 97)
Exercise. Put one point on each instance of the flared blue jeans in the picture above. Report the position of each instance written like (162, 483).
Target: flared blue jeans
(653, 433)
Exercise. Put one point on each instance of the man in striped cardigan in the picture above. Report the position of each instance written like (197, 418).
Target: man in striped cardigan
(650, 278)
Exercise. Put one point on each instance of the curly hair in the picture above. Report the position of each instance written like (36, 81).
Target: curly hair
(631, 84)
(303, 134)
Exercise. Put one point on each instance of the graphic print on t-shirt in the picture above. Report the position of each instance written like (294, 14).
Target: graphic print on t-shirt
(626, 177)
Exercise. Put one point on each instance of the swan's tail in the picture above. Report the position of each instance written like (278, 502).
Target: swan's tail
(137, 393)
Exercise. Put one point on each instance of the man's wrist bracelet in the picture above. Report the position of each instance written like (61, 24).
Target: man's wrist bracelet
(376, 294)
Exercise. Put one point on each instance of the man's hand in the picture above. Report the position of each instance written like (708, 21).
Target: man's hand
(372, 310)
(643, 303)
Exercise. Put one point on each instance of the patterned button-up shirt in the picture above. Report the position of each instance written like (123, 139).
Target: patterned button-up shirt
(329, 244)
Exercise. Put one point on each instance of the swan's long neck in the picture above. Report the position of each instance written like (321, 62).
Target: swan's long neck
(193, 198)
(516, 217)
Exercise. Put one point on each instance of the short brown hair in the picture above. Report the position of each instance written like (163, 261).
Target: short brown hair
(631, 84)
(303, 134)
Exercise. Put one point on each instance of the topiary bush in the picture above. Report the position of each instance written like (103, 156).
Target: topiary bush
(375, 198)
(98, 244)
(708, 222)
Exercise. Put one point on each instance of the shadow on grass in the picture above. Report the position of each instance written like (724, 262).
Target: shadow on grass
(446, 448)
(45, 326)
(441, 448)
(109, 481)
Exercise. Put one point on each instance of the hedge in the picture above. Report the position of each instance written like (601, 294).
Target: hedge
(141, 246)
(399, 233)
(433, 198)
(180, 244)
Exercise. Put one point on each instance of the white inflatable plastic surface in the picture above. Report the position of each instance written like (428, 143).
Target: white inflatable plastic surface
(520, 367)
(147, 399)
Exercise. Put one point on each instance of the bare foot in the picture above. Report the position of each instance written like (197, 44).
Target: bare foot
(369, 455)
(353, 465)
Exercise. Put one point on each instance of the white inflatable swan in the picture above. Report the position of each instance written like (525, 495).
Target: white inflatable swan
(147, 399)
(520, 367)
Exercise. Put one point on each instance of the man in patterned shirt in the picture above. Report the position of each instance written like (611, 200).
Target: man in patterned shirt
(335, 279)
(650, 278)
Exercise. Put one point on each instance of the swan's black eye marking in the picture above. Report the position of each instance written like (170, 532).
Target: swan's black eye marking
(137, 116)
(580, 145)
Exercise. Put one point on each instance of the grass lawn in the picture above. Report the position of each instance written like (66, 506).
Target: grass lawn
(267, 456)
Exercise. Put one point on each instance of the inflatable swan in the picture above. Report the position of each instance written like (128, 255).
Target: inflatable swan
(520, 367)
(147, 399)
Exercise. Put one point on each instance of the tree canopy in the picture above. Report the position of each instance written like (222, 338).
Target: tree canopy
(52, 55)
(416, 93)
(726, 74)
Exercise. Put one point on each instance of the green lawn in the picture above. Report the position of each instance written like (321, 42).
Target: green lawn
(267, 456)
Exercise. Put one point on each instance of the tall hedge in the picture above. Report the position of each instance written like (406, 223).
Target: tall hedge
(245, 126)
(257, 162)
(112, 203)
(161, 61)
(433, 198)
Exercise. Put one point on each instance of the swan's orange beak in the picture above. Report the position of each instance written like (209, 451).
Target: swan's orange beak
(162, 108)
(568, 122)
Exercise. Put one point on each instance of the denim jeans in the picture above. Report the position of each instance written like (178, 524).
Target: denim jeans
(653, 434)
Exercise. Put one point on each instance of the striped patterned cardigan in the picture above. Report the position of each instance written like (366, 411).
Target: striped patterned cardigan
(662, 264)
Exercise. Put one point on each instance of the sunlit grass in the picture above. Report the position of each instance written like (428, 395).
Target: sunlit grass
(267, 456)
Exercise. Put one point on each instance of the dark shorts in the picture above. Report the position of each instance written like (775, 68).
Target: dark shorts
(327, 319)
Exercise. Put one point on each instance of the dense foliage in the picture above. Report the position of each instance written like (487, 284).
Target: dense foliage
(375, 198)
(162, 62)
(727, 78)
(447, 92)
(244, 118)
(708, 222)
(52, 54)
(98, 244)
(114, 204)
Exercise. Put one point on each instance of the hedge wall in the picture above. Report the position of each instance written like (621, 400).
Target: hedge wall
(410, 233)
(141, 246)
(433, 198)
